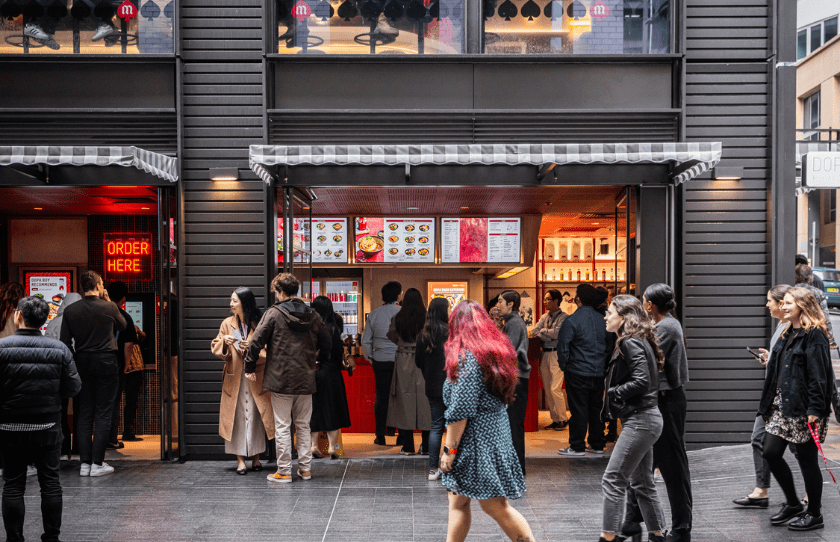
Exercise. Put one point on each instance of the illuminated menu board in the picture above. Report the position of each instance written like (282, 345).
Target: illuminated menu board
(329, 240)
(480, 240)
(395, 240)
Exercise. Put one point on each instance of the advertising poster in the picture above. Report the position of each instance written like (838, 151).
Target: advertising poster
(301, 240)
(527, 310)
(453, 292)
(329, 240)
(480, 240)
(370, 241)
(51, 286)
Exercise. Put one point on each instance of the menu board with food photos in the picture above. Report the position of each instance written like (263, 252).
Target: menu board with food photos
(409, 240)
(329, 240)
(51, 287)
(480, 240)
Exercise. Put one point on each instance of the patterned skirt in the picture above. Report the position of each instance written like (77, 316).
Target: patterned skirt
(792, 429)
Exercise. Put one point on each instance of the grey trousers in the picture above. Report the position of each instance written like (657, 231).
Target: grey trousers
(631, 465)
(762, 469)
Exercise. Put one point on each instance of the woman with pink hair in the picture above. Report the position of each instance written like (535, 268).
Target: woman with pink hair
(478, 459)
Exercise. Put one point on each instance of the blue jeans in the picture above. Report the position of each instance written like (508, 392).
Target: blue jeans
(22, 448)
(631, 465)
(436, 434)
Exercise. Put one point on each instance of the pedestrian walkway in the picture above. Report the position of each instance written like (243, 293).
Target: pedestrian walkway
(383, 499)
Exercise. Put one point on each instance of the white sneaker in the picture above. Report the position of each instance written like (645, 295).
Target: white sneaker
(103, 31)
(570, 452)
(31, 470)
(36, 32)
(101, 470)
(64, 458)
(434, 474)
(85, 470)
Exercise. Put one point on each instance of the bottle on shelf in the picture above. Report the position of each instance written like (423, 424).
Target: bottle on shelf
(553, 274)
(587, 274)
(570, 275)
(561, 276)
(578, 275)
(603, 274)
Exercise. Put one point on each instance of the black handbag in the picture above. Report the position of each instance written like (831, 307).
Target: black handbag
(835, 401)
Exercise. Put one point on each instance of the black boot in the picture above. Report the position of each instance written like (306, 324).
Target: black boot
(656, 538)
(787, 513)
(631, 531)
(678, 535)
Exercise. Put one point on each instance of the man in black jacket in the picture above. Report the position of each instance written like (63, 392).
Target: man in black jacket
(89, 329)
(36, 372)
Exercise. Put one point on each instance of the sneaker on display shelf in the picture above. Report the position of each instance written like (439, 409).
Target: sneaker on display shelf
(37, 33)
(384, 26)
(103, 31)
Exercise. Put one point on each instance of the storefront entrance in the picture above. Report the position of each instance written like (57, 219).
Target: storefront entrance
(56, 223)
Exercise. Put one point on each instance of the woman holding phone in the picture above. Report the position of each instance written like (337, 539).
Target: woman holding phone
(758, 498)
(245, 415)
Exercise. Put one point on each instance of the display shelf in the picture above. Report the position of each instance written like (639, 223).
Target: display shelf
(557, 262)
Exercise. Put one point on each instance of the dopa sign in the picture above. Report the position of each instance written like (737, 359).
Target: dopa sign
(821, 170)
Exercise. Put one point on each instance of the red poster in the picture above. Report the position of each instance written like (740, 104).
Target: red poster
(370, 240)
(473, 240)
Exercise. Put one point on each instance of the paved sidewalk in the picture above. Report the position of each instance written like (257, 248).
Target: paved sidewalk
(383, 499)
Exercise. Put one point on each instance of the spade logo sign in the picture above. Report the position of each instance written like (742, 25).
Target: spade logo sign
(301, 10)
(127, 11)
(599, 10)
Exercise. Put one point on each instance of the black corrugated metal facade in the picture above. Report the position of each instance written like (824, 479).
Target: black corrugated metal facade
(224, 90)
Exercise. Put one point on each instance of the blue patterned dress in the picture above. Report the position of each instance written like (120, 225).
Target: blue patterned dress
(486, 465)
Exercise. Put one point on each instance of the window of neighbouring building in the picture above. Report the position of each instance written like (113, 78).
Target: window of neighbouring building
(832, 205)
(811, 116)
(812, 38)
(801, 44)
(86, 26)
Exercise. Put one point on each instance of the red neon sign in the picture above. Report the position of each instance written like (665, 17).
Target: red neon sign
(128, 256)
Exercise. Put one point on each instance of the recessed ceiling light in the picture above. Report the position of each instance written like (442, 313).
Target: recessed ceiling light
(464, 207)
(595, 223)
(38, 208)
(144, 208)
(412, 208)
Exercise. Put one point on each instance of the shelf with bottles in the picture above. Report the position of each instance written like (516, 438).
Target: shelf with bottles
(564, 262)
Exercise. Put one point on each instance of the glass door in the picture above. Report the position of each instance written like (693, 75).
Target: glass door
(625, 242)
(294, 239)
(168, 323)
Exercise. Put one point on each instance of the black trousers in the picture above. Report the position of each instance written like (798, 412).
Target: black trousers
(113, 436)
(133, 387)
(585, 395)
(96, 403)
(383, 373)
(516, 417)
(807, 456)
(68, 444)
(669, 455)
(22, 448)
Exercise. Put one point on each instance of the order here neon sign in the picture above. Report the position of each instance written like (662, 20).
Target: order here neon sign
(128, 256)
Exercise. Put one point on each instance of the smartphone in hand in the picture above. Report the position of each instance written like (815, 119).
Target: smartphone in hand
(755, 354)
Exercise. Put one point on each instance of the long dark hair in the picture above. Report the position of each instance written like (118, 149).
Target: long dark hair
(10, 295)
(662, 297)
(637, 323)
(409, 321)
(250, 312)
(436, 329)
(324, 307)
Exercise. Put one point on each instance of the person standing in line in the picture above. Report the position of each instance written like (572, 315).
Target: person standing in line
(408, 408)
(797, 392)
(517, 332)
(53, 331)
(669, 450)
(478, 460)
(547, 330)
(381, 351)
(430, 358)
(10, 295)
(292, 334)
(36, 372)
(245, 414)
(583, 347)
(330, 412)
(816, 282)
(758, 498)
(133, 387)
(126, 339)
(804, 278)
(89, 330)
(632, 384)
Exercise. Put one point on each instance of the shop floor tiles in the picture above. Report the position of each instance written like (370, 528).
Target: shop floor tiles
(385, 499)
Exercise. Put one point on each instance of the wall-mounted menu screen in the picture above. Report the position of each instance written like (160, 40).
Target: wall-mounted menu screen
(395, 240)
(329, 240)
(480, 240)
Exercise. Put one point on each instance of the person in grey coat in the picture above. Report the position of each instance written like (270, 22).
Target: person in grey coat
(517, 332)
(53, 331)
(804, 279)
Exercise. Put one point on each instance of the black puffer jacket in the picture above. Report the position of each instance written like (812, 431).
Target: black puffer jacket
(804, 375)
(632, 380)
(35, 373)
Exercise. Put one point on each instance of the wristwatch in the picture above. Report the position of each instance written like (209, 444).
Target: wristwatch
(450, 451)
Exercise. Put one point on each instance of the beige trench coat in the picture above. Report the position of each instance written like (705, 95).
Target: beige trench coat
(408, 406)
(234, 363)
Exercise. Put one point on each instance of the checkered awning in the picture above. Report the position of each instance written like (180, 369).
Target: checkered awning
(159, 165)
(701, 156)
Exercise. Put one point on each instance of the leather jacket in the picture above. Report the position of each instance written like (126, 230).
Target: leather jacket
(632, 379)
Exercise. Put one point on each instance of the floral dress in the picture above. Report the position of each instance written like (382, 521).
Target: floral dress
(486, 465)
(792, 429)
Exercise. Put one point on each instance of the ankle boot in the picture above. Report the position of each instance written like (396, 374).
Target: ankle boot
(654, 538)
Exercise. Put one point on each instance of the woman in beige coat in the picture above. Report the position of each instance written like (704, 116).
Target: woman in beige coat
(408, 406)
(245, 415)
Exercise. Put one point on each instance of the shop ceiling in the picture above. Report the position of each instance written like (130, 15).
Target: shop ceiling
(76, 201)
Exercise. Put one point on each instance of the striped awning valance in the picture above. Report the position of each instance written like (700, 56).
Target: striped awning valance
(159, 165)
(701, 156)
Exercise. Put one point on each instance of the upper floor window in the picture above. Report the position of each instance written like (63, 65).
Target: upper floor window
(811, 116)
(86, 26)
(507, 27)
(815, 36)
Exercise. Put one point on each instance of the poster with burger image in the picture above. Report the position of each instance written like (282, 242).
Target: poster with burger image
(50, 286)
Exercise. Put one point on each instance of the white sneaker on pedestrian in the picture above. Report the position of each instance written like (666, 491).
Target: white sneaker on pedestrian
(85, 470)
(434, 474)
(569, 452)
(101, 470)
(31, 470)
(103, 31)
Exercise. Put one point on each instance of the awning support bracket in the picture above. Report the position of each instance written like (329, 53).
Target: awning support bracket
(39, 172)
(544, 170)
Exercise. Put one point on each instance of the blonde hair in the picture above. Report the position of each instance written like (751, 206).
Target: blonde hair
(812, 315)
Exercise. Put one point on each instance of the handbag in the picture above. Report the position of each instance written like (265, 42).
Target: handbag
(835, 401)
(135, 362)
(348, 362)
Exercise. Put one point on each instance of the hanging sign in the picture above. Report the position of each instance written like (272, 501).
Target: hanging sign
(821, 170)
(127, 11)
(599, 10)
(128, 256)
(301, 10)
